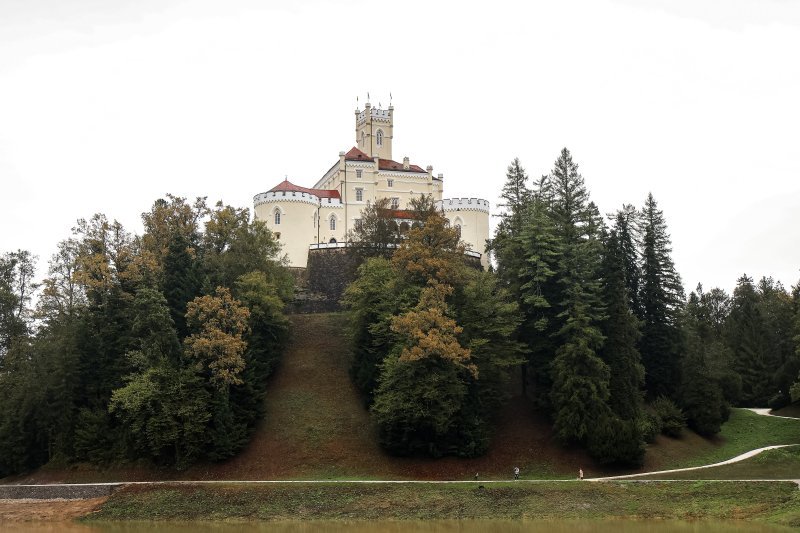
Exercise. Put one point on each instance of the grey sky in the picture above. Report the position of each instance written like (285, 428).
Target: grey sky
(105, 106)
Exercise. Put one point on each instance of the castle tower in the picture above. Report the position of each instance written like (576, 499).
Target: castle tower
(375, 130)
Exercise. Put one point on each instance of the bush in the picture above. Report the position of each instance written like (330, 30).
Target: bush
(650, 426)
(672, 419)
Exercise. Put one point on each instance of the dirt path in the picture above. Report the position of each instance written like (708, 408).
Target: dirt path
(766, 411)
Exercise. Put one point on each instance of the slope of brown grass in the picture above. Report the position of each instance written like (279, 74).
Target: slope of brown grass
(316, 427)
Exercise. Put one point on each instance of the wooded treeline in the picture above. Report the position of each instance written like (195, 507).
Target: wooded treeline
(591, 306)
(158, 346)
(152, 346)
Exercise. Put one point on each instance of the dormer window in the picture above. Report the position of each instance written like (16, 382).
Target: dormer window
(379, 138)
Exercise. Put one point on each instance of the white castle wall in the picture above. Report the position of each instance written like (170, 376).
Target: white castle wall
(472, 215)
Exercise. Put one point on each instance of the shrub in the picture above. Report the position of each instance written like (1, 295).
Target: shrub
(650, 425)
(672, 419)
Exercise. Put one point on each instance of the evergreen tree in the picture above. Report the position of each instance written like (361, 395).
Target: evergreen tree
(626, 226)
(661, 299)
(620, 329)
(777, 308)
(580, 377)
(747, 337)
(506, 244)
(701, 393)
(538, 291)
(181, 281)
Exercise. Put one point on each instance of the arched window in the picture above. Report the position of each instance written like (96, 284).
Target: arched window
(379, 138)
(457, 223)
(333, 222)
(332, 241)
(363, 136)
(277, 217)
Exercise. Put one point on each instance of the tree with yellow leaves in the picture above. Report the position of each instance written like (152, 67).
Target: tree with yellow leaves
(217, 345)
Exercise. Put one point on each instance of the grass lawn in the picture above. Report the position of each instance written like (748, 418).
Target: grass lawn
(783, 463)
(773, 502)
(744, 431)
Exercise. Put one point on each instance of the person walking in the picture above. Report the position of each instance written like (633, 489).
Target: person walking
(516, 472)
(580, 474)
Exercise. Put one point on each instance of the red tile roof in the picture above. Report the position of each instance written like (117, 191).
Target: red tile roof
(287, 186)
(383, 164)
(388, 164)
(398, 213)
(356, 155)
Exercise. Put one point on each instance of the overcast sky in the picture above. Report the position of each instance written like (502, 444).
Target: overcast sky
(107, 105)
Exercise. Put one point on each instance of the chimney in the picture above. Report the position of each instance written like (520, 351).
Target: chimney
(406, 164)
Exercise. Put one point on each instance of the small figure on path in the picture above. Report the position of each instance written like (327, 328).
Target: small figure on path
(476, 476)
(516, 472)
(580, 474)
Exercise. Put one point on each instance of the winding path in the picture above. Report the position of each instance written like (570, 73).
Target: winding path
(742, 457)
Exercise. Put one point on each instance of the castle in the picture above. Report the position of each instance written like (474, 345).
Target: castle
(304, 218)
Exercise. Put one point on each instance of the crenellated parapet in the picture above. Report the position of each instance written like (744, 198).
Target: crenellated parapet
(295, 196)
(464, 204)
(377, 114)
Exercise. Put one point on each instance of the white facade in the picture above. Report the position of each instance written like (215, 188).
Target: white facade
(323, 214)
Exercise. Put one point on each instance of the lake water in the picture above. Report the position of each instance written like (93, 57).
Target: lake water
(432, 526)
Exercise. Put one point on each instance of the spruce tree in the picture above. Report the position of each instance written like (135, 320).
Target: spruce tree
(181, 281)
(580, 391)
(621, 331)
(703, 369)
(661, 297)
(538, 287)
(506, 244)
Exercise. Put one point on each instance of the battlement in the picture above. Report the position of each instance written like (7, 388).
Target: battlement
(294, 196)
(374, 112)
(464, 204)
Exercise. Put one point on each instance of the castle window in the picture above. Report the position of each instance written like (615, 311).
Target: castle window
(277, 235)
(333, 222)
(379, 138)
(359, 195)
(395, 203)
(457, 226)
(332, 241)
(359, 224)
(390, 183)
(358, 173)
(363, 135)
(277, 217)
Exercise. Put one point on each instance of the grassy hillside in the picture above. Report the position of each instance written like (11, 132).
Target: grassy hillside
(775, 502)
(316, 427)
(782, 463)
